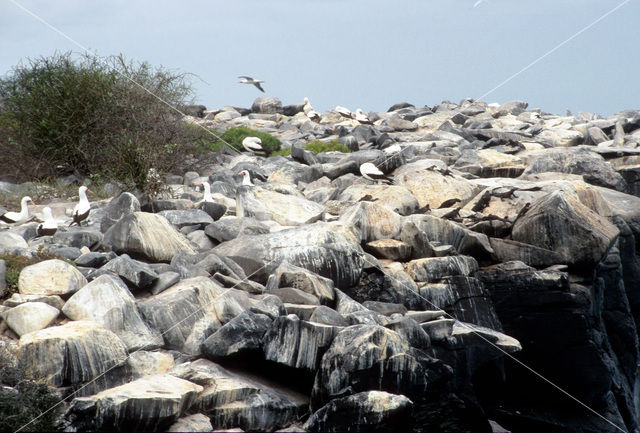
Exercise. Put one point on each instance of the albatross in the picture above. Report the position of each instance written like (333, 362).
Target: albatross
(207, 192)
(253, 144)
(246, 178)
(363, 118)
(248, 80)
(371, 172)
(49, 226)
(307, 106)
(344, 112)
(314, 116)
(18, 217)
(81, 210)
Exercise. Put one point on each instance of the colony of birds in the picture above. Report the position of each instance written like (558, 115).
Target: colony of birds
(384, 289)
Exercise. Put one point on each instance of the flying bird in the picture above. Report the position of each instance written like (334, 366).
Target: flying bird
(248, 80)
(252, 144)
(81, 210)
(18, 217)
(49, 226)
(478, 3)
(246, 178)
(371, 172)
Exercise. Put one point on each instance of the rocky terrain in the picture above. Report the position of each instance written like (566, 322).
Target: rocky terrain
(316, 300)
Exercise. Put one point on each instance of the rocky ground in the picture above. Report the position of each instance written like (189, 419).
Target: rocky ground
(319, 301)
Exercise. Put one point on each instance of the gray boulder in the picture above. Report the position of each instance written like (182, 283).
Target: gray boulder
(190, 217)
(328, 250)
(107, 301)
(267, 105)
(117, 208)
(147, 236)
(151, 403)
(136, 274)
(241, 334)
(366, 411)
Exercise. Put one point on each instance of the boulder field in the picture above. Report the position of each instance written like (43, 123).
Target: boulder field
(317, 300)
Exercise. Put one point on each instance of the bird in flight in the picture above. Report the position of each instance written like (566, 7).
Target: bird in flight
(249, 80)
(478, 3)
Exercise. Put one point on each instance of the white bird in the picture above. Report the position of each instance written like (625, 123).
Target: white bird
(49, 226)
(307, 106)
(314, 116)
(252, 144)
(246, 178)
(344, 112)
(371, 172)
(207, 192)
(81, 210)
(478, 3)
(18, 217)
(362, 117)
(249, 80)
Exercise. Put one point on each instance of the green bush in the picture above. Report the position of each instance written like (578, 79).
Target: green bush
(318, 146)
(234, 137)
(62, 116)
(286, 151)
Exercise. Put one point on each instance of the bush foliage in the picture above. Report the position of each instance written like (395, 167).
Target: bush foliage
(63, 116)
(318, 146)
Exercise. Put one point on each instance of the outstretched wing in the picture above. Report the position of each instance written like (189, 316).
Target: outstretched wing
(245, 77)
(258, 86)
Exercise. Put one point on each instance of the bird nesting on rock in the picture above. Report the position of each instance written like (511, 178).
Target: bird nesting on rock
(82, 209)
(363, 117)
(18, 217)
(371, 172)
(246, 178)
(253, 145)
(49, 226)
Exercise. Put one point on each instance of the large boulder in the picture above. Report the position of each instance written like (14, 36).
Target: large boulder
(370, 357)
(372, 221)
(329, 250)
(366, 411)
(241, 334)
(148, 237)
(50, 277)
(285, 209)
(432, 188)
(288, 275)
(125, 204)
(297, 343)
(175, 311)
(395, 197)
(107, 301)
(29, 317)
(70, 354)
(151, 403)
(266, 105)
(231, 400)
(591, 166)
(560, 223)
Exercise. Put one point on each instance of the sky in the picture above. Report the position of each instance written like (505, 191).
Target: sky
(367, 54)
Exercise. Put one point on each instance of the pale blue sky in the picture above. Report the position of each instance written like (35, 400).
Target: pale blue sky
(356, 53)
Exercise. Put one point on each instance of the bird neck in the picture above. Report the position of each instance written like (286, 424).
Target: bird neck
(247, 180)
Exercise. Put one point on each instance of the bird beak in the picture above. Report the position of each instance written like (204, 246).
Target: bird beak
(89, 191)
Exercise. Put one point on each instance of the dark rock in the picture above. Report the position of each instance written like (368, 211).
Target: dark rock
(94, 260)
(287, 275)
(69, 253)
(370, 357)
(302, 155)
(191, 217)
(78, 238)
(241, 334)
(136, 274)
(193, 110)
(399, 106)
(327, 316)
(411, 331)
(385, 308)
(214, 210)
(297, 343)
(227, 229)
(125, 204)
(364, 412)
(292, 110)
(164, 281)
